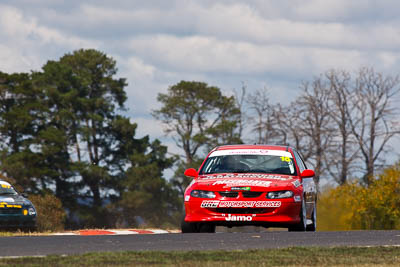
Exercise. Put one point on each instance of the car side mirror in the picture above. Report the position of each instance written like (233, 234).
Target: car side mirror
(191, 172)
(307, 174)
(25, 195)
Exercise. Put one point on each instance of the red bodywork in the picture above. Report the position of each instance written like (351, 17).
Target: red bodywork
(240, 198)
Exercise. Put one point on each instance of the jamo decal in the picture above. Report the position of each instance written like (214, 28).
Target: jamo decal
(238, 218)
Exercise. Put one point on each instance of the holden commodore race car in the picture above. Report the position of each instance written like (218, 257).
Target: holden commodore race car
(16, 211)
(259, 185)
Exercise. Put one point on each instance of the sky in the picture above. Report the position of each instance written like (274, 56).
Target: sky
(225, 43)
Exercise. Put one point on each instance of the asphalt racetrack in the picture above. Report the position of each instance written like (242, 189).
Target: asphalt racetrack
(66, 245)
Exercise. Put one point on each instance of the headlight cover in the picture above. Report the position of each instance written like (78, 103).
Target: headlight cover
(280, 194)
(202, 194)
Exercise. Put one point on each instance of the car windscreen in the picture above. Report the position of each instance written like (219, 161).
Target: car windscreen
(249, 161)
(6, 189)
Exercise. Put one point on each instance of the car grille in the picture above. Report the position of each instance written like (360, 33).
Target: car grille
(10, 211)
(228, 194)
(249, 194)
(234, 194)
(244, 210)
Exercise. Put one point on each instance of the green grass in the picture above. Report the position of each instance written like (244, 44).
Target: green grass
(297, 256)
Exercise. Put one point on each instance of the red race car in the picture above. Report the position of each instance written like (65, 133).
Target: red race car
(260, 185)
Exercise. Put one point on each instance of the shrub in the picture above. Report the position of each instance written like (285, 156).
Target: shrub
(354, 206)
(50, 213)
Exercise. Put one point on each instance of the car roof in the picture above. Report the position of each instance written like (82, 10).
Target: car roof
(254, 146)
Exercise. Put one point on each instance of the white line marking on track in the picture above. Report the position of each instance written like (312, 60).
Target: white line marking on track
(159, 231)
(124, 232)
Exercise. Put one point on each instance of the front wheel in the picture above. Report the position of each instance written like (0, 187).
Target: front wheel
(206, 228)
(188, 227)
(302, 225)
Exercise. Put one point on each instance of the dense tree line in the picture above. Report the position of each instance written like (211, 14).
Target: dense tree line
(61, 132)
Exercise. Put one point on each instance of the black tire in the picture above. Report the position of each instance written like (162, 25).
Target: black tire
(206, 228)
(313, 227)
(188, 227)
(302, 225)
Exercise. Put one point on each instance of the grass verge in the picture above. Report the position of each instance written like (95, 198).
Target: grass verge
(296, 256)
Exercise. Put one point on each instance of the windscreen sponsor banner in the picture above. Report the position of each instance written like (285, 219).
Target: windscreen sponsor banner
(239, 204)
(246, 175)
(264, 152)
(243, 183)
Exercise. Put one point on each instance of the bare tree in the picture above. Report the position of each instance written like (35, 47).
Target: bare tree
(263, 119)
(288, 126)
(341, 123)
(240, 98)
(343, 151)
(316, 122)
(372, 119)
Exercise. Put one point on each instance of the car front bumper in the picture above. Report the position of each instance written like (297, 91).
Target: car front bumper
(12, 217)
(268, 213)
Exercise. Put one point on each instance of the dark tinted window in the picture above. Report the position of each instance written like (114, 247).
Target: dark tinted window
(299, 161)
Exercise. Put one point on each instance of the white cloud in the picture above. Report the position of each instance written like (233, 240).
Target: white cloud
(389, 60)
(241, 22)
(237, 21)
(20, 28)
(12, 61)
(26, 45)
(327, 10)
(148, 126)
(138, 69)
(202, 54)
(244, 22)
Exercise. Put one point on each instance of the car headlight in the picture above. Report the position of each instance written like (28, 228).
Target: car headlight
(280, 194)
(202, 194)
(31, 211)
